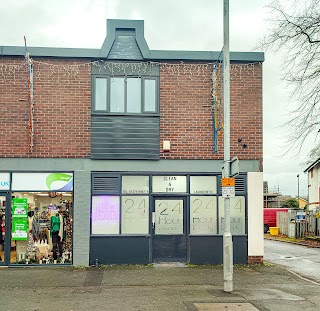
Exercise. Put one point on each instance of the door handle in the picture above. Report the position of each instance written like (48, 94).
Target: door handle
(153, 219)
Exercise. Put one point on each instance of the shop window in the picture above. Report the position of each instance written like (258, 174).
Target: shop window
(169, 184)
(203, 215)
(105, 214)
(41, 227)
(203, 184)
(135, 184)
(125, 95)
(135, 215)
(237, 215)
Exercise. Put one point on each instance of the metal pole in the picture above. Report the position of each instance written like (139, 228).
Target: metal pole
(298, 192)
(227, 237)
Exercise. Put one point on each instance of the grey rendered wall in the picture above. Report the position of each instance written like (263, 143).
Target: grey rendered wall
(81, 218)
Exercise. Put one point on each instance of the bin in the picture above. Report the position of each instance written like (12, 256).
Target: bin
(292, 230)
(274, 230)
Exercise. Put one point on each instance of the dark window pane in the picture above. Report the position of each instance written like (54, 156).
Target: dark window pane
(134, 95)
(117, 95)
(101, 94)
(150, 95)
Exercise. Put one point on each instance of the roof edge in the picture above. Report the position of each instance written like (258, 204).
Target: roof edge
(312, 165)
(147, 54)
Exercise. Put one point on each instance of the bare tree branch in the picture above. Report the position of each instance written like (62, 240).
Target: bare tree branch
(294, 27)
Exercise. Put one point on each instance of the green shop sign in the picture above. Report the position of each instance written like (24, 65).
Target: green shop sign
(19, 229)
(19, 207)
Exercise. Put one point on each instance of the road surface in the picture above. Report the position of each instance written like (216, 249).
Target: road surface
(297, 258)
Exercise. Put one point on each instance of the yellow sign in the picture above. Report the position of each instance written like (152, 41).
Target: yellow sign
(228, 182)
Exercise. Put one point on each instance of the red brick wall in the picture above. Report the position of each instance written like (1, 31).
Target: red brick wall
(63, 105)
(186, 118)
(61, 111)
(252, 260)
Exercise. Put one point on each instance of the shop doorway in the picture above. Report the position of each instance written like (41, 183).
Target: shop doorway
(4, 236)
(169, 236)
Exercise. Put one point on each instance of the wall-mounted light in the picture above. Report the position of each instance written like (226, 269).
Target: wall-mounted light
(166, 146)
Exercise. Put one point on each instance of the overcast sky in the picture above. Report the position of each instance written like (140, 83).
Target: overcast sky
(169, 25)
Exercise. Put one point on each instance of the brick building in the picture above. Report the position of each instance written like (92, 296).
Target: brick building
(122, 146)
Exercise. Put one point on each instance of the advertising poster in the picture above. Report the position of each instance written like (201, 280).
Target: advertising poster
(19, 207)
(19, 229)
(19, 219)
(105, 214)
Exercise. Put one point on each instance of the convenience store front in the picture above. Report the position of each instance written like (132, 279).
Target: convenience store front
(36, 218)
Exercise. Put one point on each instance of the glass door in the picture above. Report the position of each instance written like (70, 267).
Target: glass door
(169, 239)
(3, 229)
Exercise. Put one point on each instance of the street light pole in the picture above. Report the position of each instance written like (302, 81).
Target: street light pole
(227, 237)
(298, 192)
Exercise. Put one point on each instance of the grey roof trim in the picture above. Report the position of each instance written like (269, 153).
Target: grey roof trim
(153, 54)
(138, 25)
(206, 55)
(312, 165)
(50, 52)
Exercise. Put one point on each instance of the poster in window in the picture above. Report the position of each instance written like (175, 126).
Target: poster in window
(237, 215)
(203, 215)
(105, 214)
(168, 217)
(135, 215)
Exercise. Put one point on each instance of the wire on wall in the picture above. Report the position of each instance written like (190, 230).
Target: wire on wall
(29, 65)
(217, 100)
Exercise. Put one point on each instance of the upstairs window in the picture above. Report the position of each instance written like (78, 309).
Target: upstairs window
(125, 95)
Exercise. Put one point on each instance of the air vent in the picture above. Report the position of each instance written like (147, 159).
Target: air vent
(240, 184)
(102, 184)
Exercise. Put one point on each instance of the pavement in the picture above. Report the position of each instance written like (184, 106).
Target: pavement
(309, 242)
(156, 288)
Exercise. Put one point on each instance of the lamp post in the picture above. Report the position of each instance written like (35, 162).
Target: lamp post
(298, 192)
(227, 236)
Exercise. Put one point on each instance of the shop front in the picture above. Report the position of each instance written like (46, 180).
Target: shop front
(36, 218)
(143, 218)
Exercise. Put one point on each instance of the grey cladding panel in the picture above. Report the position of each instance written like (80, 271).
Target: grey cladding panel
(126, 137)
(125, 45)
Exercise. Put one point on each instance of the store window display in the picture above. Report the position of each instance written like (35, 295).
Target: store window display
(47, 236)
(2, 226)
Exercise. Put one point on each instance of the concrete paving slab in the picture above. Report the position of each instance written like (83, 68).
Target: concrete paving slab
(225, 307)
(145, 288)
(170, 265)
(268, 294)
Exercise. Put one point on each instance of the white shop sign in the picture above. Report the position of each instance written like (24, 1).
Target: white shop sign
(169, 184)
(4, 181)
(42, 181)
